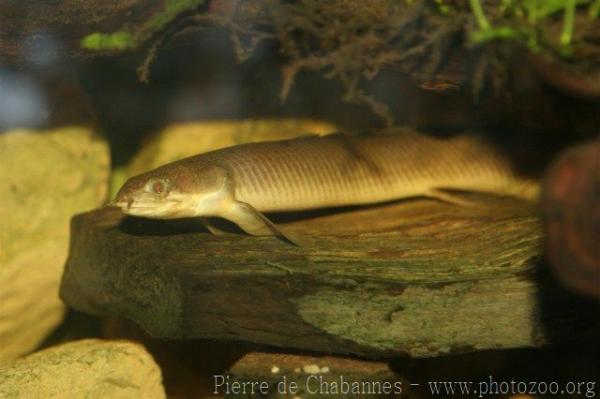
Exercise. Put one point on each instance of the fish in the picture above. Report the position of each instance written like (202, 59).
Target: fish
(242, 182)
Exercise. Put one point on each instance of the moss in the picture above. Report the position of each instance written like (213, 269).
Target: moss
(352, 40)
(443, 8)
(594, 11)
(427, 320)
(373, 35)
(171, 9)
(502, 32)
(108, 41)
(125, 39)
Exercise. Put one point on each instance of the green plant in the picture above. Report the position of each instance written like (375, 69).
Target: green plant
(523, 20)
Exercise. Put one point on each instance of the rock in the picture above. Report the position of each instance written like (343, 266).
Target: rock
(571, 206)
(278, 375)
(46, 178)
(84, 369)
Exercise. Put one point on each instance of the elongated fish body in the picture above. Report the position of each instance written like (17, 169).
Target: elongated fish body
(339, 170)
(318, 172)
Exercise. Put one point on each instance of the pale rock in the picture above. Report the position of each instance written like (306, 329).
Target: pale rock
(88, 369)
(47, 177)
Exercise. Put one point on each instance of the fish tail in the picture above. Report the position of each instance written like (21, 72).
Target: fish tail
(527, 189)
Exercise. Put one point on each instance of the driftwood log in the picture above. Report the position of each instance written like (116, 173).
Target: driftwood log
(418, 277)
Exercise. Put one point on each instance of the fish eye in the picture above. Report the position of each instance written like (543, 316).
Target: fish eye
(157, 187)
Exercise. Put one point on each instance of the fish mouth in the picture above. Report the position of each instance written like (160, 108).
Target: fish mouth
(122, 206)
(137, 208)
(134, 207)
(114, 203)
(125, 205)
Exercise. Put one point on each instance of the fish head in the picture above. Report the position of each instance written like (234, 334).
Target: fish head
(169, 192)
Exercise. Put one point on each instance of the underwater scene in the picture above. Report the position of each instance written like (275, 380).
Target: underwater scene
(300, 199)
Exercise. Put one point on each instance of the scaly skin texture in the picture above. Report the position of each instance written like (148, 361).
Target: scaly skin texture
(318, 172)
(342, 170)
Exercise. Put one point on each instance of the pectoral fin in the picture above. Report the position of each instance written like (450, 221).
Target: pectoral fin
(211, 227)
(255, 223)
